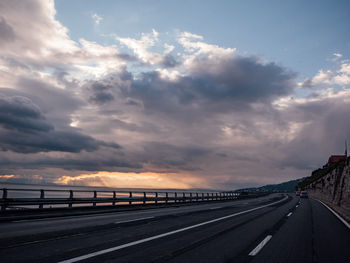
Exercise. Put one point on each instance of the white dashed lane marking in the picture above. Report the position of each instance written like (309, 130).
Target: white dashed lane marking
(260, 246)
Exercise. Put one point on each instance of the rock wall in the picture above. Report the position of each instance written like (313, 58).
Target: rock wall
(334, 189)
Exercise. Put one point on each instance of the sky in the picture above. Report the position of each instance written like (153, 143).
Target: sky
(171, 94)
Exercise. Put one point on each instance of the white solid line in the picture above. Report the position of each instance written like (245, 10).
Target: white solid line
(133, 220)
(260, 246)
(336, 214)
(104, 251)
(289, 214)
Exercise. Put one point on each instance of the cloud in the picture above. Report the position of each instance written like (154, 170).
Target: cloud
(19, 113)
(97, 19)
(26, 130)
(331, 78)
(101, 94)
(337, 56)
(234, 84)
(194, 44)
(35, 28)
(6, 32)
(141, 48)
(36, 42)
(326, 127)
(185, 109)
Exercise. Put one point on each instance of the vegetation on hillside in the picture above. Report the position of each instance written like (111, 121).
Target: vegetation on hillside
(319, 173)
(288, 186)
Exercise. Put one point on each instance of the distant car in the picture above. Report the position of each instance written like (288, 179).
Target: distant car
(303, 194)
(297, 193)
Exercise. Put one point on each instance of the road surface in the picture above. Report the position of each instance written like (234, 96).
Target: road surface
(276, 228)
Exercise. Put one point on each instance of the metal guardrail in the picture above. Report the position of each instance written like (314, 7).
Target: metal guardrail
(68, 198)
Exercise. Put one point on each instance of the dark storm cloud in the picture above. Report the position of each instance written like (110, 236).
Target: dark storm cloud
(26, 130)
(20, 113)
(219, 88)
(105, 90)
(241, 79)
(100, 93)
(228, 84)
(80, 163)
(63, 141)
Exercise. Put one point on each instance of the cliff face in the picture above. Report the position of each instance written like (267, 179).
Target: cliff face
(334, 188)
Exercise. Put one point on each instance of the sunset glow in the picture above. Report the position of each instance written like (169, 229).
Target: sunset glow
(132, 180)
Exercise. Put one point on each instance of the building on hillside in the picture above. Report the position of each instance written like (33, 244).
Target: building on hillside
(334, 159)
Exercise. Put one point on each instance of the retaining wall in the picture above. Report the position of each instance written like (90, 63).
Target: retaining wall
(334, 189)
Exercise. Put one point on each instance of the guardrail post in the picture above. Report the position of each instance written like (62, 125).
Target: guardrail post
(202, 196)
(183, 197)
(207, 196)
(42, 196)
(70, 198)
(144, 197)
(95, 196)
(130, 196)
(190, 197)
(166, 197)
(216, 196)
(4, 193)
(175, 197)
(156, 197)
(212, 196)
(196, 197)
(4, 197)
(114, 197)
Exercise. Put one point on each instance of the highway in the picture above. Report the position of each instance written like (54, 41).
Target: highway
(275, 228)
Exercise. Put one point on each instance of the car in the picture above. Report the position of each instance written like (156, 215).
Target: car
(297, 193)
(303, 194)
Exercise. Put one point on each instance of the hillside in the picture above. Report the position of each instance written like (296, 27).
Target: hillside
(288, 186)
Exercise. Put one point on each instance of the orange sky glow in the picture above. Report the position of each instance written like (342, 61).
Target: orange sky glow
(133, 180)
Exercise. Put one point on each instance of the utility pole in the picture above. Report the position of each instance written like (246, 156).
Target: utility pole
(346, 148)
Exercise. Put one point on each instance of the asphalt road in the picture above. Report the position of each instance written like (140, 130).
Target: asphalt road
(275, 228)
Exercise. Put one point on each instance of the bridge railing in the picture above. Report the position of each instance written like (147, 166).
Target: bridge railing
(46, 198)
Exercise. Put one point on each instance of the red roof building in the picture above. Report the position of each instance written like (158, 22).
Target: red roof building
(335, 159)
